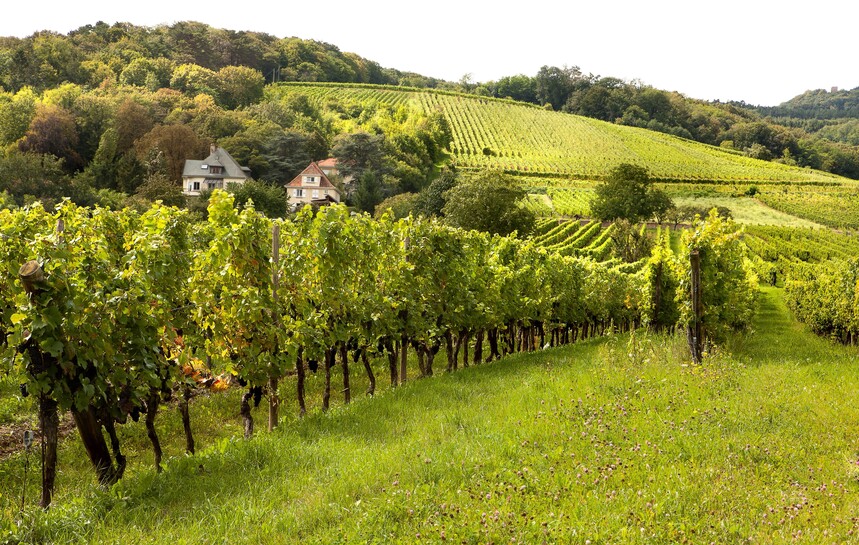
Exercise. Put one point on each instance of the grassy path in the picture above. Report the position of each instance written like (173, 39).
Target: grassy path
(617, 440)
(779, 339)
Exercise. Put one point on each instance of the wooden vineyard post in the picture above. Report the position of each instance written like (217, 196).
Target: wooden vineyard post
(31, 276)
(657, 297)
(404, 341)
(32, 279)
(695, 330)
(273, 400)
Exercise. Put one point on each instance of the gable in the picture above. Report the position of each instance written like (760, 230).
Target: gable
(314, 173)
(219, 164)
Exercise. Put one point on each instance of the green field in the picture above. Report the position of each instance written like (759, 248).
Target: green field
(616, 440)
(747, 210)
(531, 141)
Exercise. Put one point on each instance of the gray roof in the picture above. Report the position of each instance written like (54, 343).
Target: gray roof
(219, 158)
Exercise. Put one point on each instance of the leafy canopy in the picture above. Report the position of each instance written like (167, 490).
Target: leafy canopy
(628, 194)
(489, 201)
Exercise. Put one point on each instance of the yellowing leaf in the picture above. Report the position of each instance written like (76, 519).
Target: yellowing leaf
(17, 318)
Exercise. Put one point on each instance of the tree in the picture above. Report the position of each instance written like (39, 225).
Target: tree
(132, 121)
(176, 142)
(53, 131)
(269, 199)
(28, 176)
(359, 153)
(520, 87)
(158, 187)
(400, 206)
(286, 155)
(16, 115)
(102, 171)
(193, 80)
(489, 201)
(660, 205)
(152, 74)
(369, 192)
(628, 194)
(554, 84)
(239, 86)
(430, 201)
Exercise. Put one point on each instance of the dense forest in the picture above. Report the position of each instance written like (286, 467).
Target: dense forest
(108, 113)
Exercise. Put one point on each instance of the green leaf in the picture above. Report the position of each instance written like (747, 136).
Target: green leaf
(53, 347)
(17, 318)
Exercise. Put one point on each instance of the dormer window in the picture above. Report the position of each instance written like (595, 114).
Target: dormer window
(310, 180)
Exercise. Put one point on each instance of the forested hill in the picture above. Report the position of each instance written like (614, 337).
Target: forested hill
(819, 104)
(827, 115)
(149, 56)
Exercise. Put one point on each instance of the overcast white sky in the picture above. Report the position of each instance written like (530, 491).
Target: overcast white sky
(761, 51)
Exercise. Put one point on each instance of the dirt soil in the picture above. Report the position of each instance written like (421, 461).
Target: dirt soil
(12, 435)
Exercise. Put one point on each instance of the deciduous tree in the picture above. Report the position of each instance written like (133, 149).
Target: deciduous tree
(489, 201)
(52, 131)
(628, 193)
(176, 142)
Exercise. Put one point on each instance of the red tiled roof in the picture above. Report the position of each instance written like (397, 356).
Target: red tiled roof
(331, 162)
(312, 170)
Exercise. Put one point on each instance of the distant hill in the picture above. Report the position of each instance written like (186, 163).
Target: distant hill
(819, 104)
(532, 141)
(827, 115)
(150, 55)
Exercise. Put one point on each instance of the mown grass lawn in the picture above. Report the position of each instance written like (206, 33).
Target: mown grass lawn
(747, 210)
(617, 440)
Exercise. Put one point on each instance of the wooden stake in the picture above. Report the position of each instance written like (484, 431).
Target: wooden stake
(273, 400)
(695, 330)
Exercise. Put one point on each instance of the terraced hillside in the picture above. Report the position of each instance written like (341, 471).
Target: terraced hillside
(527, 140)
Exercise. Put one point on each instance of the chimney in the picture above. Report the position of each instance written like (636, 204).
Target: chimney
(834, 90)
(212, 148)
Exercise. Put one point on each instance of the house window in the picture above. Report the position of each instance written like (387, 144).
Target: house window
(298, 193)
(195, 186)
(214, 184)
(310, 179)
(216, 170)
(315, 194)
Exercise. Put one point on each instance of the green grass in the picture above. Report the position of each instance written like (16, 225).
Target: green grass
(13, 408)
(617, 440)
(747, 210)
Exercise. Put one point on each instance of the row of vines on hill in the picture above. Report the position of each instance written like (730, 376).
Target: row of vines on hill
(819, 269)
(825, 296)
(115, 311)
(833, 207)
(776, 251)
(518, 138)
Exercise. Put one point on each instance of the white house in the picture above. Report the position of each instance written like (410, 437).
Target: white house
(214, 172)
(312, 186)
